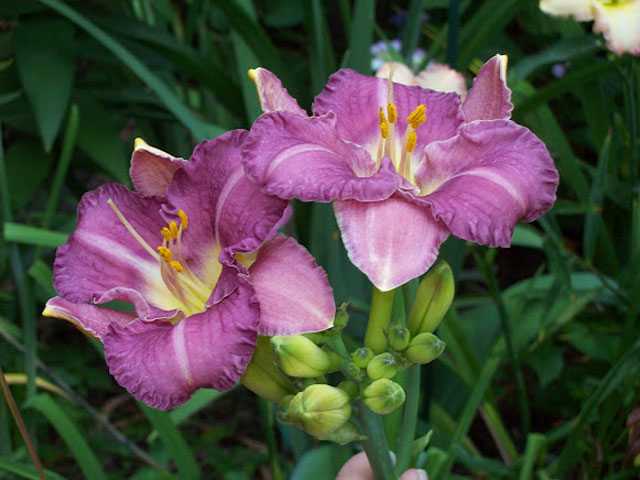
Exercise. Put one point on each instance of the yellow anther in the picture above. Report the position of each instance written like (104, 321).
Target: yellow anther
(173, 228)
(392, 113)
(412, 141)
(384, 126)
(165, 253)
(166, 233)
(184, 221)
(417, 117)
(177, 266)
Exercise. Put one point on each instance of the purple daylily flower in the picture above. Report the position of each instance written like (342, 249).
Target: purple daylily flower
(404, 166)
(196, 251)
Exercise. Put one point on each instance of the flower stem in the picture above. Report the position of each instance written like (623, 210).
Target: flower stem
(376, 445)
(266, 412)
(379, 316)
(408, 429)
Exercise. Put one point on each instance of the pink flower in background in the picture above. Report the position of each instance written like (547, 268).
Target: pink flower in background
(195, 252)
(404, 166)
(618, 21)
(437, 76)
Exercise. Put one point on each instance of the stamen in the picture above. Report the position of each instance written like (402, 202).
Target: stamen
(132, 231)
(392, 112)
(173, 228)
(166, 233)
(384, 126)
(176, 265)
(165, 253)
(417, 117)
(412, 141)
(184, 221)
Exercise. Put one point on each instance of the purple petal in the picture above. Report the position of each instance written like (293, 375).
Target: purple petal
(489, 98)
(102, 261)
(227, 213)
(272, 95)
(297, 157)
(91, 320)
(482, 182)
(163, 364)
(391, 241)
(356, 100)
(293, 291)
(152, 169)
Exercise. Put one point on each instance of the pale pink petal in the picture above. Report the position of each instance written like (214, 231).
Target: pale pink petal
(152, 169)
(293, 291)
(401, 73)
(489, 98)
(620, 24)
(90, 319)
(485, 180)
(163, 364)
(391, 241)
(271, 94)
(581, 10)
(442, 78)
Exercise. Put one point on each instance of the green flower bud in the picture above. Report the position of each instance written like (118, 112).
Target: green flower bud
(382, 365)
(300, 357)
(320, 410)
(262, 376)
(434, 297)
(424, 348)
(355, 371)
(345, 434)
(342, 317)
(398, 336)
(349, 387)
(383, 396)
(362, 356)
(282, 415)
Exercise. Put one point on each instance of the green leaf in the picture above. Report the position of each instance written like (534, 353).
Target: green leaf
(321, 463)
(43, 275)
(547, 362)
(27, 168)
(44, 56)
(199, 129)
(26, 471)
(14, 232)
(526, 236)
(71, 435)
(174, 442)
(593, 220)
(362, 36)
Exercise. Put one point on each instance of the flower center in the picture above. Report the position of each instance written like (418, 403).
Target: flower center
(401, 157)
(190, 291)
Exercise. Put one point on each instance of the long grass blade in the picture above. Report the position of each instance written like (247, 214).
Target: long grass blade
(362, 36)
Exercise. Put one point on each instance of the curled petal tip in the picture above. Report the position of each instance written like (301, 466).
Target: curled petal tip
(139, 143)
(504, 60)
(252, 73)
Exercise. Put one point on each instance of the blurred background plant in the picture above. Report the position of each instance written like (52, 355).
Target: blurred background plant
(540, 375)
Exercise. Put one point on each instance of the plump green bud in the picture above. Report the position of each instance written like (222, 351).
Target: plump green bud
(320, 410)
(398, 336)
(349, 387)
(434, 297)
(383, 396)
(262, 376)
(355, 371)
(362, 356)
(342, 317)
(282, 415)
(382, 365)
(300, 357)
(424, 348)
(345, 434)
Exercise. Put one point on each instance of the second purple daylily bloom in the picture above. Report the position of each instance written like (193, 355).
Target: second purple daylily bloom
(404, 166)
(196, 251)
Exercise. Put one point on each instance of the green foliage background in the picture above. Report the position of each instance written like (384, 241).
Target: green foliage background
(543, 340)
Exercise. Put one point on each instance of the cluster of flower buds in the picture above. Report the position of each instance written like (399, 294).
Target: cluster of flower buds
(293, 370)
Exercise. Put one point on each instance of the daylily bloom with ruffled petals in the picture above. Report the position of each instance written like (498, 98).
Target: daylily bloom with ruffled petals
(617, 20)
(404, 166)
(196, 253)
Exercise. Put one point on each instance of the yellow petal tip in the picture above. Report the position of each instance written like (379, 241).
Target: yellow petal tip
(139, 143)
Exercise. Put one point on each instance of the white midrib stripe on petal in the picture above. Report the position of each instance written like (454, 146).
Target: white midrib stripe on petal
(179, 342)
(232, 181)
(498, 180)
(291, 151)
